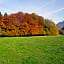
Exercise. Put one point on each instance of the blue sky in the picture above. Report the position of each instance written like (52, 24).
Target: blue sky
(52, 9)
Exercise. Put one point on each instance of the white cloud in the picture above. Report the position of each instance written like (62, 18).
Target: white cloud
(50, 14)
(55, 11)
(48, 3)
(3, 10)
(58, 20)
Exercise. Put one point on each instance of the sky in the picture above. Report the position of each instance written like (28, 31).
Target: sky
(51, 9)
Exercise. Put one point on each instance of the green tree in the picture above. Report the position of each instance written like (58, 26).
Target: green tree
(0, 14)
(5, 15)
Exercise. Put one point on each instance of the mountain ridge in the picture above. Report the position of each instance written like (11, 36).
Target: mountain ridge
(60, 25)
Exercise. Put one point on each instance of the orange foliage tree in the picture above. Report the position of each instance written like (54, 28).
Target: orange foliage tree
(20, 24)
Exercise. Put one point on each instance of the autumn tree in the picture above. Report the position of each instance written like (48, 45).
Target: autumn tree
(23, 24)
(51, 27)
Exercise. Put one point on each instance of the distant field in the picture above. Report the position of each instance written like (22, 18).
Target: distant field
(32, 50)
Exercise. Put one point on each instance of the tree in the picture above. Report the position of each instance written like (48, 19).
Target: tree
(62, 31)
(0, 14)
(62, 28)
(20, 24)
(5, 15)
(0, 31)
(51, 27)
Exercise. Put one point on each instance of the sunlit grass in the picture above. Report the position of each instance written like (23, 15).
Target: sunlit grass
(32, 50)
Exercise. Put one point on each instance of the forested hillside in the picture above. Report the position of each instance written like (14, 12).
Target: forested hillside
(25, 24)
(60, 27)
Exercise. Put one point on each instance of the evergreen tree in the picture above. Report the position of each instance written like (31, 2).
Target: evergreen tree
(0, 14)
(5, 15)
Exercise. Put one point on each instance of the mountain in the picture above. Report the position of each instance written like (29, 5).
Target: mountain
(60, 25)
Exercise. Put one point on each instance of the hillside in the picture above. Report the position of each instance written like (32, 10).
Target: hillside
(60, 25)
(32, 50)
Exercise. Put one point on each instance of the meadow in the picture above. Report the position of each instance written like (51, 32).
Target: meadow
(32, 50)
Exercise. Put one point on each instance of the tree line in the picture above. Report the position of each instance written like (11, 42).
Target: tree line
(25, 24)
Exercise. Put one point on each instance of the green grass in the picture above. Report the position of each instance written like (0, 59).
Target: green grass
(32, 50)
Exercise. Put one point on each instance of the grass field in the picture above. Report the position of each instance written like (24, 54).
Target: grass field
(32, 50)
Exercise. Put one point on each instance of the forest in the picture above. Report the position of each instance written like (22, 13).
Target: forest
(25, 24)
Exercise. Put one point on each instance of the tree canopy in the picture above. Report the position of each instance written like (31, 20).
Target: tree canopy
(23, 24)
